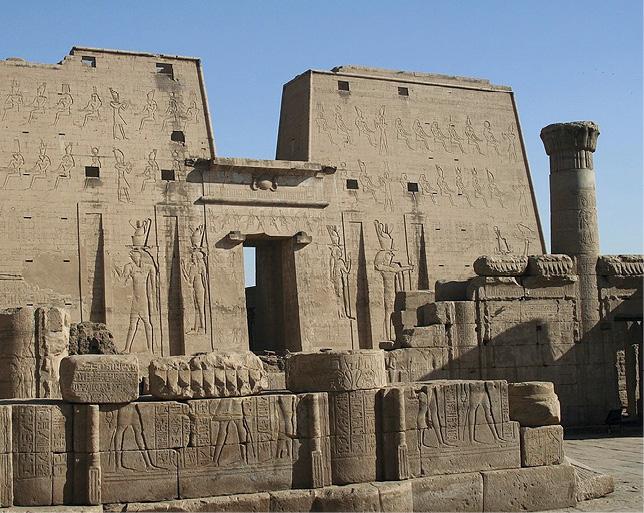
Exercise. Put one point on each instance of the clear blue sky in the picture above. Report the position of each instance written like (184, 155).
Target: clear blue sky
(565, 60)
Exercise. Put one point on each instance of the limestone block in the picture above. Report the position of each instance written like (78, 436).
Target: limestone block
(529, 489)
(291, 500)
(454, 492)
(404, 319)
(395, 496)
(413, 299)
(423, 336)
(336, 371)
(537, 287)
(417, 364)
(590, 483)
(18, 354)
(255, 502)
(620, 265)
(91, 338)
(210, 375)
(500, 265)
(534, 403)
(99, 379)
(275, 381)
(6, 459)
(354, 497)
(494, 287)
(440, 312)
(541, 446)
(52, 335)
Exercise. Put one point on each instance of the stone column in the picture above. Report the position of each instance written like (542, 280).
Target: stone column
(573, 212)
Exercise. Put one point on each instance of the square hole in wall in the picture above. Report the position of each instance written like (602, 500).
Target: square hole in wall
(412, 187)
(343, 85)
(167, 175)
(92, 172)
(352, 184)
(403, 91)
(178, 136)
(163, 68)
(89, 61)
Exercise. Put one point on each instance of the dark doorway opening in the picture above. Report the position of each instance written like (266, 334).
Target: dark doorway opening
(271, 303)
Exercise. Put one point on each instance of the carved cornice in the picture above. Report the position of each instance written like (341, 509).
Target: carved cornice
(620, 265)
(570, 145)
(500, 265)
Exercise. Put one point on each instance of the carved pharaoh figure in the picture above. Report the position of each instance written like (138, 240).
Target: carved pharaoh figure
(490, 140)
(472, 138)
(64, 103)
(15, 165)
(39, 103)
(122, 169)
(339, 270)
(118, 123)
(363, 127)
(151, 170)
(148, 114)
(381, 126)
(196, 274)
(66, 164)
(14, 99)
(93, 108)
(39, 171)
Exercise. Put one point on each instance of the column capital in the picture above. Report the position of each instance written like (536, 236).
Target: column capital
(570, 145)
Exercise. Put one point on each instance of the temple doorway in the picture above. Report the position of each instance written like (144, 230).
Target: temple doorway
(271, 303)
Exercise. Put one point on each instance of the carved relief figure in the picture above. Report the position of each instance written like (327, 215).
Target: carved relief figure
(128, 418)
(527, 234)
(490, 140)
(341, 127)
(460, 186)
(422, 137)
(443, 186)
(177, 163)
(15, 164)
(228, 418)
(64, 103)
(14, 99)
(385, 182)
(65, 167)
(149, 112)
(439, 136)
(191, 114)
(522, 198)
(118, 123)
(585, 227)
(502, 245)
(366, 183)
(403, 135)
(495, 192)
(363, 128)
(393, 274)
(39, 171)
(381, 126)
(339, 270)
(476, 185)
(454, 138)
(122, 169)
(39, 103)
(427, 417)
(151, 170)
(511, 137)
(322, 124)
(428, 188)
(172, 112)
(96, 159)
(196, 274)
(478, 397)
(93, 108)
(472, 138)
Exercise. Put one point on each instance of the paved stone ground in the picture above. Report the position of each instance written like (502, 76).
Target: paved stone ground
(617, 455)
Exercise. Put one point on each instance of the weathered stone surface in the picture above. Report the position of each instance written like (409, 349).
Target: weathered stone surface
(91, 338)
(620, 265)
(217, 374)
(500, 265)
(413, 299)
(417, 364)
(99, 379)
(336, 371)
(529, 489)
(483, 288)
(455, 492)
(589, 483)
(256, 502)
(551, 266)
(6, 459)
(423, 336)
(292, 500)
(534, 403)
(395, 496)
(541, 446)
(440, 312)
(353, 497)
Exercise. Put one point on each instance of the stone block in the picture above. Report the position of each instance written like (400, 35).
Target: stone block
(550, 266)
(291, 500)
(6, 480)
(620, 265)
(590, 483)
(353, 497)
(275, 381)
(484, 288)
(464, 312)
(336, 371)
(405, 319)
(413, 299)
(534, 403)
(454, 492)
(210, 375)
(423, 336)
(541, 446)
(99, 379)
(500, 265)
(536, 287)
(396, 496)
(529, 489)
(255, 502)
(440, 312)
(417, 364)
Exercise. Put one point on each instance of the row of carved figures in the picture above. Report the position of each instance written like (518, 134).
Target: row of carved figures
(43, 170)
(418, 135)
(141, 115)
(425, 186)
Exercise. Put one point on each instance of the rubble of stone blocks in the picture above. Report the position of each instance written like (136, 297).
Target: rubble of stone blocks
(521, 319)
(339, 439)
